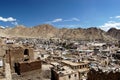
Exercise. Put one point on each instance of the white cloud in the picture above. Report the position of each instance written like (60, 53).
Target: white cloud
(70, 26)
(9, 19)
(57, 20)
(72, 19)
(75, 19)
(14, 23)
(115, 17)
(110, 24)
(110, 17)
(2, 27)
(118, 17)
(62, 20)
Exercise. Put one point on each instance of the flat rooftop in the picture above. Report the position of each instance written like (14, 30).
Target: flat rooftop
(67, 70)
(74, 63)
(71, 63)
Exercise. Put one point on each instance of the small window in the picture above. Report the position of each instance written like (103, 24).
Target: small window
(80, 67)
(75, 75)
(42, 55)
(69, 76)
(26, 52)
(83, 66)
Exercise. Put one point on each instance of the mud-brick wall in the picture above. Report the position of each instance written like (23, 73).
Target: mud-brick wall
(54, 75)
(99, 75)
(31, 54)
(29, 66)
(14, 56)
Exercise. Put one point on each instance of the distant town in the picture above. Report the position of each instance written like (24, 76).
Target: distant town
(59, 39)
(58, 59)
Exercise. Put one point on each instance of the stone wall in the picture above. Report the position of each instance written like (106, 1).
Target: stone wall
(69, 76)
(13, 56)
(27, 66)
(7, 72)
(16, 54)
(54, 75)
(99, 75)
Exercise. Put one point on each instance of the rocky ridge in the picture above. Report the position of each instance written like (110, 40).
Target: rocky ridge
(48, 31)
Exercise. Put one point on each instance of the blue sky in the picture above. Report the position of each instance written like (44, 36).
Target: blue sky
(103, 14)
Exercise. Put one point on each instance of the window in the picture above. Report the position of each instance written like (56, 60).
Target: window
(75, 75)
(26, 55)
(42, 55)
(26, 52)
(80, 67)
(83, 66)
(69, 76)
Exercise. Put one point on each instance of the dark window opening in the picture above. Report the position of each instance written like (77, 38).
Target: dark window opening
(16, 68)
(75, 75)
(26, 55)
(42, 55)
(26, 52)
(26, 59)
(69, 76)
(80, 67)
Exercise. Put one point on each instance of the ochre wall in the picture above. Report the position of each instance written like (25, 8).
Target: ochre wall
(29, 66)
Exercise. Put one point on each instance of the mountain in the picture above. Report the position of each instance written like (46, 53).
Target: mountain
(84, 34)
(48, 31)
(40, 31)
(113, 32)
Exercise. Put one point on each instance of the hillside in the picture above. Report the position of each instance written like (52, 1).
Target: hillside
(48, 31)
(114, 33)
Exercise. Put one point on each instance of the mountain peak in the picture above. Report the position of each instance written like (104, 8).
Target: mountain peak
(112, 29)
(20, 26)
(114, 33)
(45, 26)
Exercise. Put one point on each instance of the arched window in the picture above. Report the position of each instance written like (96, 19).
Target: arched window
(26, 52)
(26, 55)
